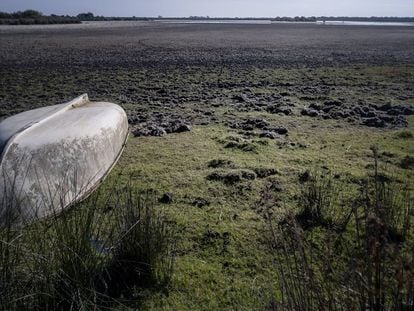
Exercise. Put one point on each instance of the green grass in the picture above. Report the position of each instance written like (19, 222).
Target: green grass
(99, 254)
(362, 260)
(222, 256)
(206, 276)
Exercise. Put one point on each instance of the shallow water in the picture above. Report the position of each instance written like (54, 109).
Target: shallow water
(267, 22)
(213, 21)
(357, 23)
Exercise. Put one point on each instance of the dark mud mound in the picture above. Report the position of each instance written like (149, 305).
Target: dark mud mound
(370, 115)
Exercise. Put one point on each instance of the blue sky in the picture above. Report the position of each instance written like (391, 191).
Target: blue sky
(230, 8)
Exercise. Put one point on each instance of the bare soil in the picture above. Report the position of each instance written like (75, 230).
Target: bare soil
(165, 73)
(139, 45)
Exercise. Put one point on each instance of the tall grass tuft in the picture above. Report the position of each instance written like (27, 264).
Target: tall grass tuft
(306, 278)
(142, 255)
(91, 256)
(11, 257)
(383, 257)
(66, 264)
(321, 202)
(367, 265)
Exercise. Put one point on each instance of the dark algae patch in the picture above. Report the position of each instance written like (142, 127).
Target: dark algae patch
(236, 127)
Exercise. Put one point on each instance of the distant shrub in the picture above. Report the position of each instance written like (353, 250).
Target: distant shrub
(4, 15)
(29, 14)
(85, 16)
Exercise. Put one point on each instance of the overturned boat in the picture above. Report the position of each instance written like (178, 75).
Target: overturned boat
(55, 156)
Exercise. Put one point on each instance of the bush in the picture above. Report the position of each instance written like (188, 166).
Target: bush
(4, 15)
(86, 16)
(30, 14)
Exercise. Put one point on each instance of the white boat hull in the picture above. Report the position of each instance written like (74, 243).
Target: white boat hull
(55, 156)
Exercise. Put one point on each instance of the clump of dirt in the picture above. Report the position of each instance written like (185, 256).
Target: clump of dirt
(407, 162)
(268, 131)
(200, 202)
(236, 142)
(221, 163)
(233, 176)
(158, 125)
(370, 115)
(263, 172)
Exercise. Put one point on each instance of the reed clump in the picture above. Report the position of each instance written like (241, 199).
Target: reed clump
(362, 259)
(95, 255)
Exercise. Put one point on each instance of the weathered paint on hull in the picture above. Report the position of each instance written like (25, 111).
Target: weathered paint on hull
(54, 156)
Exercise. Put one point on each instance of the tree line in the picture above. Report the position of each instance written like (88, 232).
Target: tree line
(29, 17)
(32, 17)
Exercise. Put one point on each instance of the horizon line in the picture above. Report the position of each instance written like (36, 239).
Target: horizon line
(230, 17)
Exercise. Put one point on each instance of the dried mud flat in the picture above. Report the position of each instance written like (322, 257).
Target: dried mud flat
(140, 45)
(152, 66)
(156, 69)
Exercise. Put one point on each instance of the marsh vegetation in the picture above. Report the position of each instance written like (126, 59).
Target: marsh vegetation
(273, 185)
(98, 254)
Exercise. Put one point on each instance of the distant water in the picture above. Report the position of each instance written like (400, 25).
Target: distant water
(213, 21)
(351, 23)
(267, 22)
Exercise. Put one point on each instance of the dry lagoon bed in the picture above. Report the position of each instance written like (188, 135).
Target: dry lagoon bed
(219, 112)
